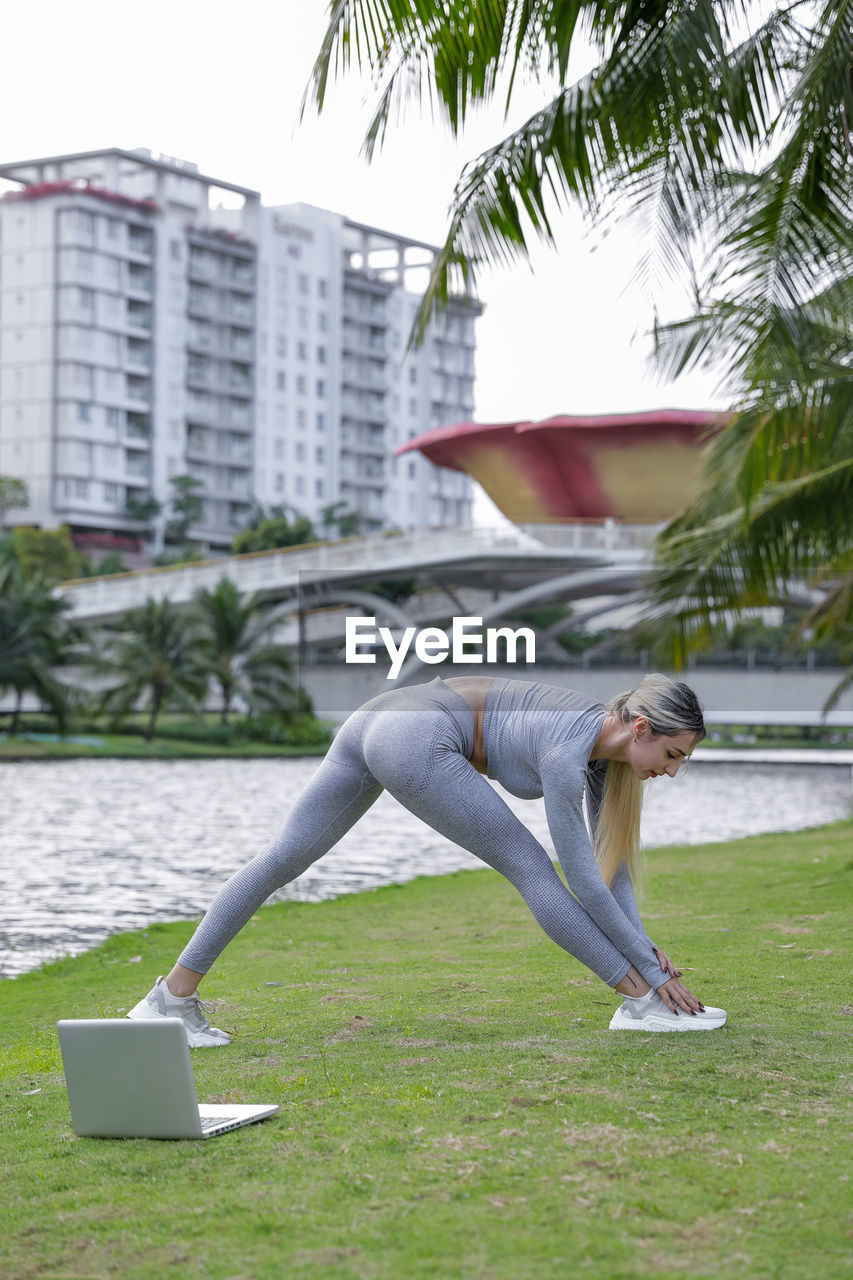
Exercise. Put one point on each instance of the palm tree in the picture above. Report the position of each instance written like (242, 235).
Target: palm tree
(727, 129)
(237, 651)
(34, 639)
(156, 662)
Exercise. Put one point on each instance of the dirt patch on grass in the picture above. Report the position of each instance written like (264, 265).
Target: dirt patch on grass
(324, 1257)
(355, 1025)
(605, 1135)
(454, 1142)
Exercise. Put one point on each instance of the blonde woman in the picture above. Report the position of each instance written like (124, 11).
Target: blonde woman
(429, 745)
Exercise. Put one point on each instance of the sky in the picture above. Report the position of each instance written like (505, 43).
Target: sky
(221, 85)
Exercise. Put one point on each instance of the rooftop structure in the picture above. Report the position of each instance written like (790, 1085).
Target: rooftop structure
(635, 467)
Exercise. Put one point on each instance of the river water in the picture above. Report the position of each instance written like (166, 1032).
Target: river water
(92, 847)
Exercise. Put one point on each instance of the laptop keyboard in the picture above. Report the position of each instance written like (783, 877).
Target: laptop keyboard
(213, 1122)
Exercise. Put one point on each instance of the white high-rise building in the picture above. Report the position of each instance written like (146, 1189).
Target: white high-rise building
(149, 328)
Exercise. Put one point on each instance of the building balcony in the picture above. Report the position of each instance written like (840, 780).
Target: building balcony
(200, 302)
(240, 310)
(140, 242)
(138, 354)
(137, 389)
(139, 280)
(138, 315)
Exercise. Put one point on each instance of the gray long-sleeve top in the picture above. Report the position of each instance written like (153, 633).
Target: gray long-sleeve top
(537, 739)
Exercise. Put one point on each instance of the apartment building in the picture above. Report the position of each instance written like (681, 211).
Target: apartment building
(155, 322)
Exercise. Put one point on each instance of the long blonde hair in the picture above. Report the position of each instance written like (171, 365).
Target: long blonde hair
(671, 708)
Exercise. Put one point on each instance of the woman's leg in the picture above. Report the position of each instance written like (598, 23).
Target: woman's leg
(436, 782)
(336, 797)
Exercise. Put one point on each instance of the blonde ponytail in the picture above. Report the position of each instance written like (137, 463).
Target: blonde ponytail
(671, 708)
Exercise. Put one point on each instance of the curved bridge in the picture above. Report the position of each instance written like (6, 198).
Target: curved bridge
(486, 571)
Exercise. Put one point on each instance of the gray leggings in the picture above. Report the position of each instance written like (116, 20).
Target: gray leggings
(413, 742)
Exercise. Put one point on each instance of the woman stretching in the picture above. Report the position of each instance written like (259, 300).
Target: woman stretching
(428, 745)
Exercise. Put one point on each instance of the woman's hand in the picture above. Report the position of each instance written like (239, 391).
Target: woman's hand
(679, 998)
(665, 962)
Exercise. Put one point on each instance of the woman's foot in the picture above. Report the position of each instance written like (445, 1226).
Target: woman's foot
(649, 1013)
(160, 1003)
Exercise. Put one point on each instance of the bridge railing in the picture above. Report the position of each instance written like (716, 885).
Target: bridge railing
(279, 569)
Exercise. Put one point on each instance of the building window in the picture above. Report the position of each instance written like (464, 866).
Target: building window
(280, 380)
(81, 488)
(300, 484)
(84, 376)
(302, 317)
(322, 288)
(300, 418)
(280, 345)
(86, 298)
(318, 488)
(303, 284)
(111, 494)
(320, 422)
(411, 470)
(413, 408)
(301, 385)
(319, 454)
(322, 321)
(413, 375)
(114, 418)
(321, 389)
(302, 350)
(300, 451)
(321, 355)
(279, 482)
(83, 412)
(278, 448)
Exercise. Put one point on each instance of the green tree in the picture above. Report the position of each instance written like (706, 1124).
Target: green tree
(142, 509)
(155, 660)
(35, 639)
(727, 130)
(336, 518)
(268, 530)
(48, 554)
(13, 493)
(239, 654)
(185, 508)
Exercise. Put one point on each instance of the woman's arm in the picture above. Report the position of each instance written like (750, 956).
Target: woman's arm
(563, 776)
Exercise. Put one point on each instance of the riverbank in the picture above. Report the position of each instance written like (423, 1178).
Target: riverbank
(176, 739)
(452, 1103)
(125, 747)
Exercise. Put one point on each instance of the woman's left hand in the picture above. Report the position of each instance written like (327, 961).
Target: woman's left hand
(665, 962)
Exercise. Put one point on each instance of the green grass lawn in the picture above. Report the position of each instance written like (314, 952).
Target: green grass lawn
(452, 1103)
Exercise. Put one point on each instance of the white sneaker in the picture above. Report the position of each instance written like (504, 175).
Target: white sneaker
(160, 1003)
(650, 1013)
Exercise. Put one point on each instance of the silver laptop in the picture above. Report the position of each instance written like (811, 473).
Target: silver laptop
(133, 1079)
